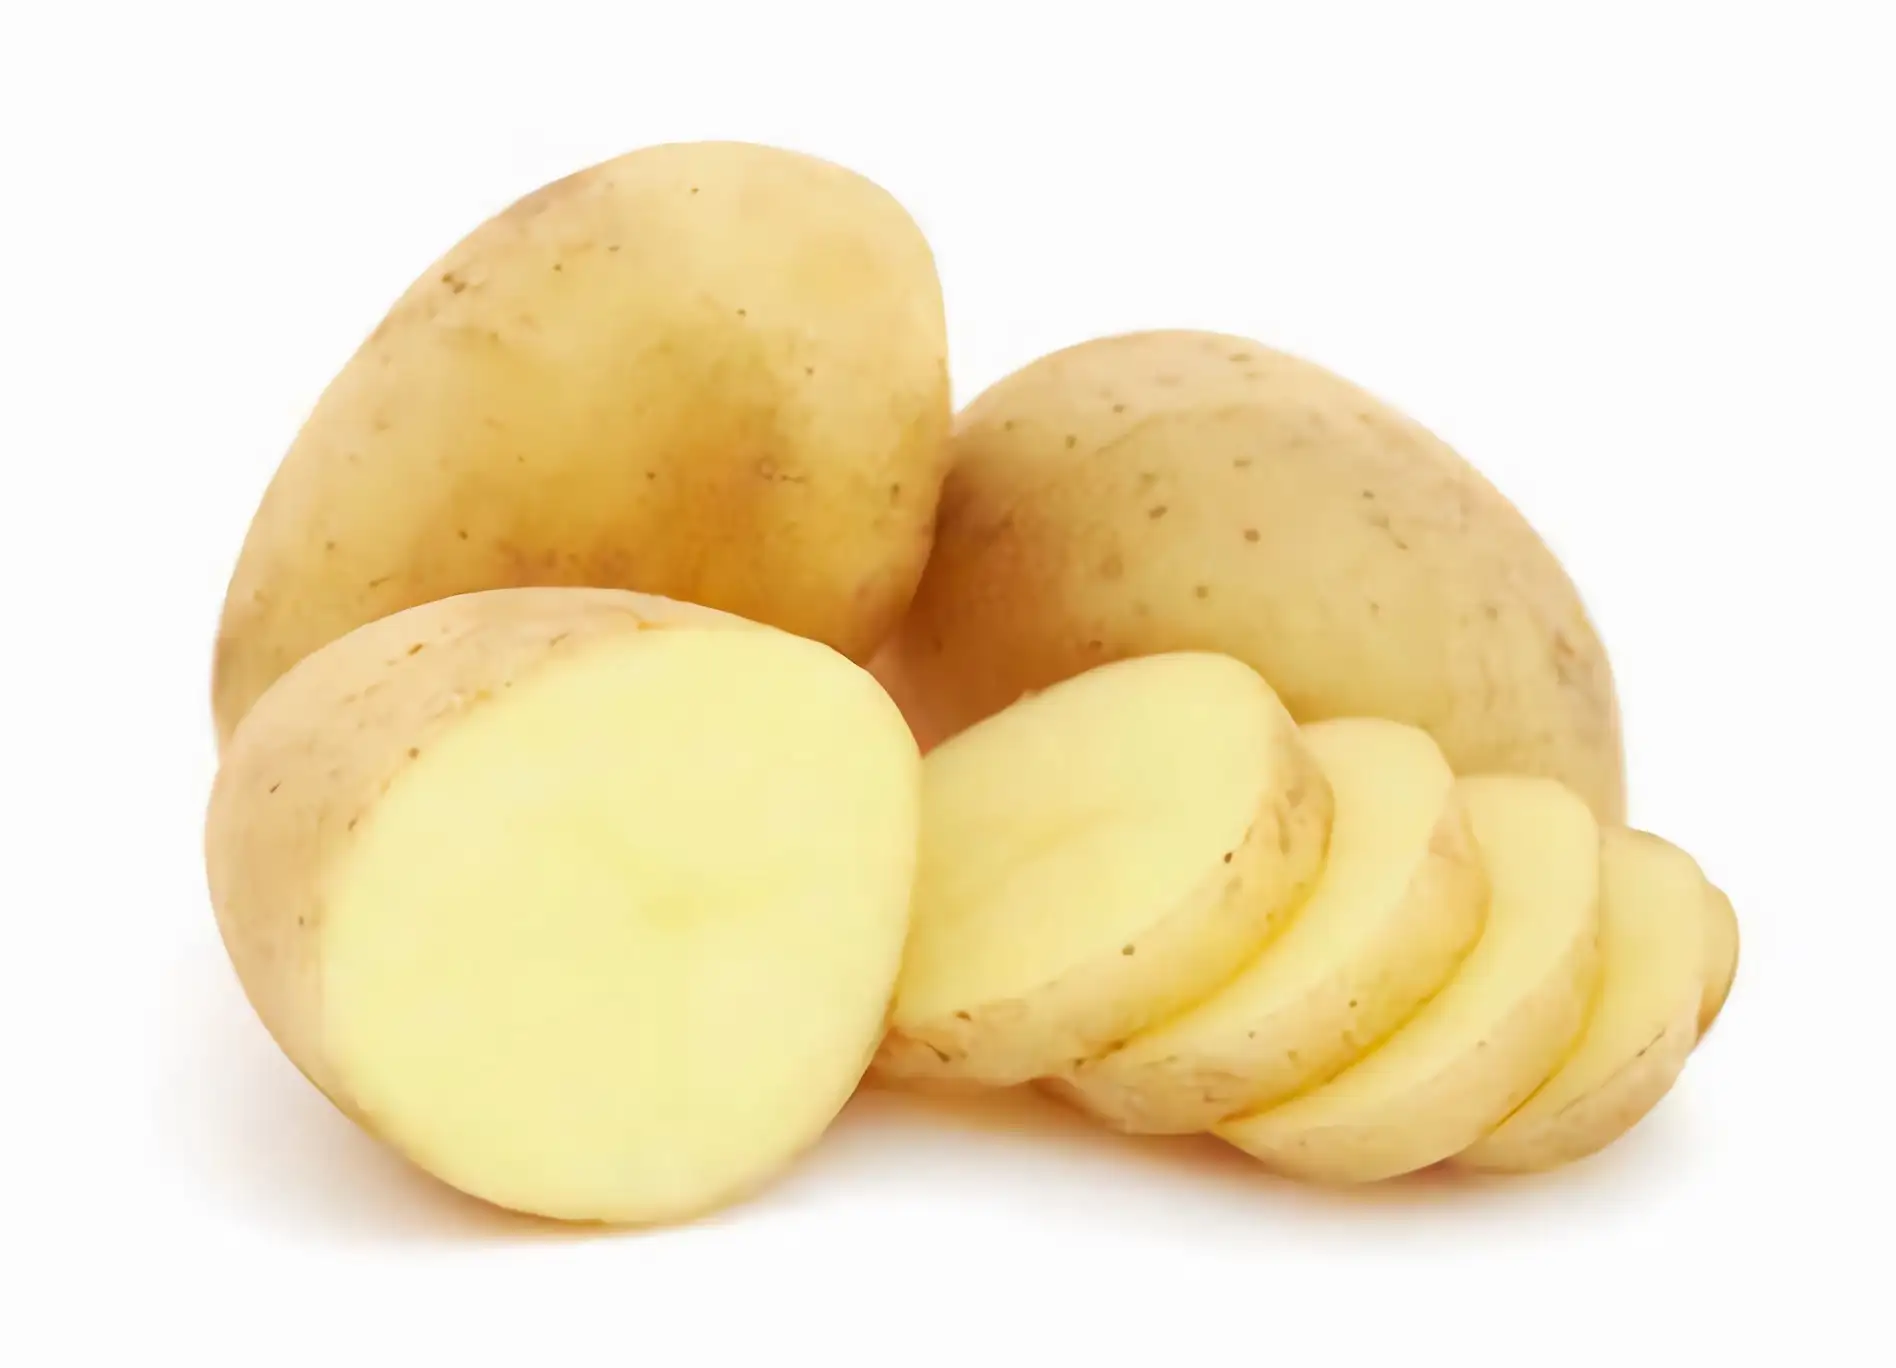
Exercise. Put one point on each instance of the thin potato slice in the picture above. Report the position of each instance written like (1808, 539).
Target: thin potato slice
(1491, 1037)
(590, 904)
(1400, 902)
(1721, 955)
(1096, 858)
(1644, 1020)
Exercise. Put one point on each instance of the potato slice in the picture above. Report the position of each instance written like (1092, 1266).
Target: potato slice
(1644, 1020)
(1097, 857)
(590, 904)
(1400, 902)
(1721, 964)
(1492, 1036)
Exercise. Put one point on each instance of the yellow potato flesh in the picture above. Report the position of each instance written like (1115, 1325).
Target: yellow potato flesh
(619, 941)
(1400, 901)
(1097, 857)
(1644, 1019)
(1482, 1045)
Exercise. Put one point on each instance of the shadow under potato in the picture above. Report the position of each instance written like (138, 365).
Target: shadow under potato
(261, 1141)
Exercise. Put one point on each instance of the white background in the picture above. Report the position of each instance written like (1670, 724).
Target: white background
(1635, 262)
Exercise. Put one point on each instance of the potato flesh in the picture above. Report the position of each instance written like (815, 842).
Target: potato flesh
(1401, 900)
(1500, 1027)
(1721, 955)
(621, 942)
(1098, 857)
(1644, 1019)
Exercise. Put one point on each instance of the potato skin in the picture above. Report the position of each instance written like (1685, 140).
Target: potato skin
(329, 737)
(712, 371)
(1193, 491)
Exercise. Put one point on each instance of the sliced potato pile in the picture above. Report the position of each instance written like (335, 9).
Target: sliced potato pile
(1433, 969)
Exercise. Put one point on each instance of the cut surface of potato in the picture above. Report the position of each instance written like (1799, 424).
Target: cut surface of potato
(613, 935)
(1400, 901)
(1097, 857)
(1482, 1045)
(1721, 955)
(1644, 1019)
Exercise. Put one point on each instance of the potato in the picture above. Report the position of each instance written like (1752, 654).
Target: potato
(711, 371)
(1502, 1025)
(589, 903)
(1189, 491)
(1643, 1022)
(1094, 859)
(1400, 901)
(1721, 955)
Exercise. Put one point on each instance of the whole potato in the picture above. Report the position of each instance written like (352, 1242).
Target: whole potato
(714, 371)
(1172, 491)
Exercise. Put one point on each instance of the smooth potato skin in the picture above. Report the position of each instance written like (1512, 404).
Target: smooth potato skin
(324, 743)
(1193, 491)
(714, 371)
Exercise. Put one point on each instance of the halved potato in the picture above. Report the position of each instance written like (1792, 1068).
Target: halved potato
(1097, 857)
(1491, 1037)
(1644, 1020)
(1401, 900)
(589, 903)
(1721, 964)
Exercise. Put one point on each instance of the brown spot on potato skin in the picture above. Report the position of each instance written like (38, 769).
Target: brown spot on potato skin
(1113, 567)
(1250, 534)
